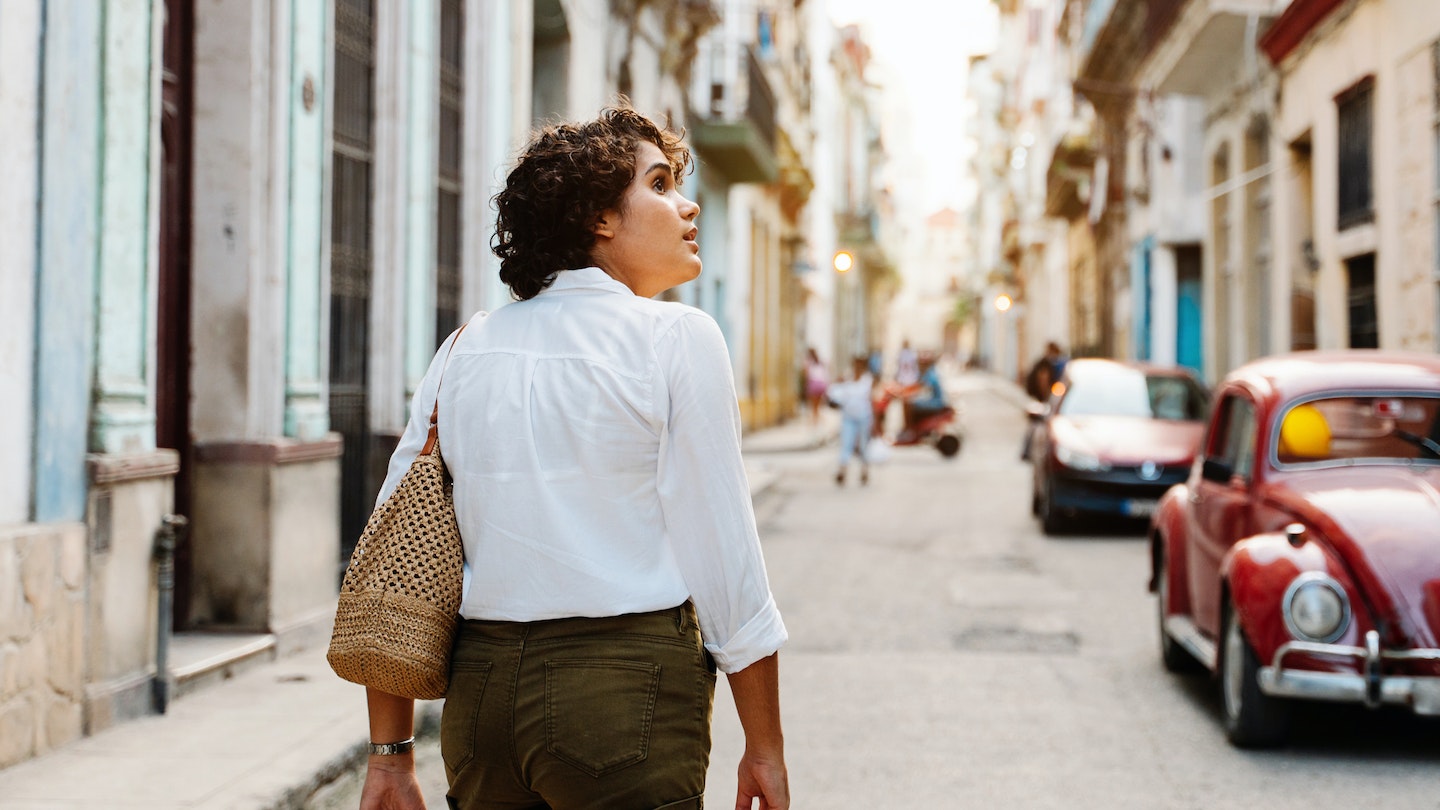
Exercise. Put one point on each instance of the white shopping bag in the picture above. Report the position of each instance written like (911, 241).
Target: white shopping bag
(877, 450)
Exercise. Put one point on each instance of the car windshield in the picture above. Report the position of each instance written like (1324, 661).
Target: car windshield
(1121, 391)
(1356, 429)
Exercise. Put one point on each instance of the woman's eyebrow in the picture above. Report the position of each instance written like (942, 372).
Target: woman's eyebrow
(663, 166)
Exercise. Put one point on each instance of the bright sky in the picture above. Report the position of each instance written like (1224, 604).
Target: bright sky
(921, 50)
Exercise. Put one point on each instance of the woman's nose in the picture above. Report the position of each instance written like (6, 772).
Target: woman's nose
(689, 209)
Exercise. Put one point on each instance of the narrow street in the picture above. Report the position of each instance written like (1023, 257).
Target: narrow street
(945, 654)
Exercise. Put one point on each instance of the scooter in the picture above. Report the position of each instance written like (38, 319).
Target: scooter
(939, 429)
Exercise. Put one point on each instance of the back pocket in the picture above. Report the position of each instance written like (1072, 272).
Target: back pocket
(598, 712)
(462, 709)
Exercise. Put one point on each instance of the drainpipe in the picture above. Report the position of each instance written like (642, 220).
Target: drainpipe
(167, 537)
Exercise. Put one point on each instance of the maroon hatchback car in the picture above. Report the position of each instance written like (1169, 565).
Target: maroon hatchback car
(1112, 439)
(1301, 559)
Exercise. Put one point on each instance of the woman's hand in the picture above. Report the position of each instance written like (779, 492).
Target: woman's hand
(765, 779)
(391, 784)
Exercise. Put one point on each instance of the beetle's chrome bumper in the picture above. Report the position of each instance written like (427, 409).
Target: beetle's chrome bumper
(1370, 687)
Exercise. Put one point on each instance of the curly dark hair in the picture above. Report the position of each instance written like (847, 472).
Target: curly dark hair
(564, 179)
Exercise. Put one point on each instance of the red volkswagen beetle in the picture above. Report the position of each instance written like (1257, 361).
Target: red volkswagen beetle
(1301, 558)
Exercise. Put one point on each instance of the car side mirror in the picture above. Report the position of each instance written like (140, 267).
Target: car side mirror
(1035, 411)
(1214, 469)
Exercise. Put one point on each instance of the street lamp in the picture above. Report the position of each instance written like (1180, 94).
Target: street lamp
(1003, 303)
(843, 261)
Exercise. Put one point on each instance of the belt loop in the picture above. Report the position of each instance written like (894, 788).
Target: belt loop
(680, 619)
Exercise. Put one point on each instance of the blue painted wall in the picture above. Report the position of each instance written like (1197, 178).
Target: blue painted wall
(68, 247)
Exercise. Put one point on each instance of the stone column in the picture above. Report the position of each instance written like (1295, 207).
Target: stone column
(124, 417)
(1164, 305)
(264, 536)
(422, 121)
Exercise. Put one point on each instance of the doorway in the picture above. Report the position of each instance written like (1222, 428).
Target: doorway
(352, 263)
(173, 355)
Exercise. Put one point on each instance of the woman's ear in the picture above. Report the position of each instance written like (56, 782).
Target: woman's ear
(603, 225)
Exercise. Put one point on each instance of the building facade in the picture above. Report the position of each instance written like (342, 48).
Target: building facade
(245, 228)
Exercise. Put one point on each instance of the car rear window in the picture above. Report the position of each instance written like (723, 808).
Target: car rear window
(1131, 392)
(1358, 429)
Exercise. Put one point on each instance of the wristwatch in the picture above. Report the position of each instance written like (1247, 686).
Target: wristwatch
(386, 749)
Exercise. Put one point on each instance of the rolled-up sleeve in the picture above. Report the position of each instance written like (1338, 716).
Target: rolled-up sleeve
(705, 497)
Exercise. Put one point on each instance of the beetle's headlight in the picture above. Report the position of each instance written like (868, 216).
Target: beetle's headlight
(1316, 608)
(1079, 459)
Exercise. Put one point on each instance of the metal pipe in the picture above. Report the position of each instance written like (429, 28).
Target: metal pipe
(167, 538)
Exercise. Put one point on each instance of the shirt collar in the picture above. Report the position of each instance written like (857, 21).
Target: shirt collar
(586, 278)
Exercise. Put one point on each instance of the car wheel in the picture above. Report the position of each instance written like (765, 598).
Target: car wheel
(1050, 521)
(1175, 657)
(1253, 719)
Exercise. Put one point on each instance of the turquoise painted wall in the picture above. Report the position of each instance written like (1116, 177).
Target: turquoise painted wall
(306, 412)
(124, 415)
(421, 123)
(68, 245)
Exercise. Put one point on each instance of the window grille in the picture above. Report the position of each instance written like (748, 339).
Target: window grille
(351, 260)
(1356, 189)
(448, 185)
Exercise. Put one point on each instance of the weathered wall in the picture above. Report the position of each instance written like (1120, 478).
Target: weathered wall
(19, 108)
(42, 631)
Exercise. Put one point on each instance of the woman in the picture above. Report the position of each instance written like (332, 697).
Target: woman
(612, 560)
(856, 398)
(816, 381)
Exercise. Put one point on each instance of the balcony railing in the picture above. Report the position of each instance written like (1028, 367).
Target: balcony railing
(738, 135)
(759, 98)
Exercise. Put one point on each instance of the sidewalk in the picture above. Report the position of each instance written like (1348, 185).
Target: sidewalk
(268, 738)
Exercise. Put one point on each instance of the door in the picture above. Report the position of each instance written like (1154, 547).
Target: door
(351, 262)
(1220, 504)
(1188, 351)
(172, 391)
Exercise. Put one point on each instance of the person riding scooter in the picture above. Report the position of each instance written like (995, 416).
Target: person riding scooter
(928, 398)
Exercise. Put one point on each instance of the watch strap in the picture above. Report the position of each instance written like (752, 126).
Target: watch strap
(388, 749)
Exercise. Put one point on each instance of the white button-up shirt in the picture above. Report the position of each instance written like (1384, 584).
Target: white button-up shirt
(594, 439)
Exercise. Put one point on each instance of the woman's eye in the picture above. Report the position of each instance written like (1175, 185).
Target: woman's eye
(659, 185)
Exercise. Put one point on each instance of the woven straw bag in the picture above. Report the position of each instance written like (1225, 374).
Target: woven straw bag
(399, 601)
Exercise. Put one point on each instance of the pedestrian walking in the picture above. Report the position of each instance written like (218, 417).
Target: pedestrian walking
(612, 558)
(907, 365)
(855, 397)
(817, 379)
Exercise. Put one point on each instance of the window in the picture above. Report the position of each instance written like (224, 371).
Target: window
(448, 224)
(1233, 441)
(1347, 430)
(1120, 391)
(1356, 203)
(1360, 297)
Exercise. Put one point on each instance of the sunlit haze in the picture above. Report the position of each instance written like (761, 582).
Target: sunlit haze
(921, 50)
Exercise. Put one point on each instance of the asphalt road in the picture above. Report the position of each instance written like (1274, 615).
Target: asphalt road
(945, 654)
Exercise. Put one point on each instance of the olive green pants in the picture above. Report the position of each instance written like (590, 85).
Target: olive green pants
(570, 714)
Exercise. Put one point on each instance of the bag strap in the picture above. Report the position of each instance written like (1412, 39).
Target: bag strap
(434, 434)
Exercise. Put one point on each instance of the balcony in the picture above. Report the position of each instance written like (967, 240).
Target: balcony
(1200, 49)
(1069, 177)
(738, 134)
